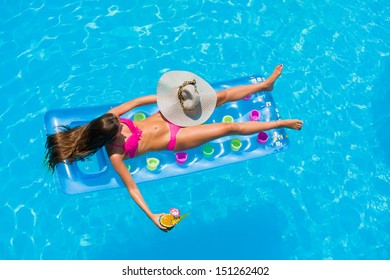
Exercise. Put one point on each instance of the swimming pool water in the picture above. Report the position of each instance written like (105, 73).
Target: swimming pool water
(326, 197)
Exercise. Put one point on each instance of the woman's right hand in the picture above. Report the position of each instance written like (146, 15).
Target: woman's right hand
(121, 169)
(156, 219)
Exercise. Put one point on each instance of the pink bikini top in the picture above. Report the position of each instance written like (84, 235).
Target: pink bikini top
(131, 144)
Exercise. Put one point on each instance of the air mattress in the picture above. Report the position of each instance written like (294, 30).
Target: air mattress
(96, 173)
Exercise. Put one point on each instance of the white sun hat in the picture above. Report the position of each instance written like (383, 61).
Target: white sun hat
(185, 99)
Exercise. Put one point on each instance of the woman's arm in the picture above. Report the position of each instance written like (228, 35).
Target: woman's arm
(120, 167)
(125, 107)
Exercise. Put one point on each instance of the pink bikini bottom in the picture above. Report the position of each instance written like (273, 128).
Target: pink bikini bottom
(174, 129)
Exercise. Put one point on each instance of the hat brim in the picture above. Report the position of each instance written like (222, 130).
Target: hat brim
(169, 104)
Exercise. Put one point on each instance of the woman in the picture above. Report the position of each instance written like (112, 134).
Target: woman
(185, 102)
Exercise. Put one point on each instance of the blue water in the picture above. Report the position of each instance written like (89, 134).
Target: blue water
(326, 197)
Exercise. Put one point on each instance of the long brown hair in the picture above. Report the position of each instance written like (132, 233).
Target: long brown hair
(72, 144)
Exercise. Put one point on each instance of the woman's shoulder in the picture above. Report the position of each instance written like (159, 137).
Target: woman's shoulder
(115, 151)
(113, 111)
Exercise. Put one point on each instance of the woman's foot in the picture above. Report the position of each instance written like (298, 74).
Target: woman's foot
(293, 124)
(269, 82)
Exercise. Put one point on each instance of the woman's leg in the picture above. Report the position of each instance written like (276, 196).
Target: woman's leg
(194, 136)
(239, 92)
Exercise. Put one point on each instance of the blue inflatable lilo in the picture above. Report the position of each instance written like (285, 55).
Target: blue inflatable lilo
(96, 173)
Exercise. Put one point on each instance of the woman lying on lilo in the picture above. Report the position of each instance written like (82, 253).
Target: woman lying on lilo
(185, 102)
